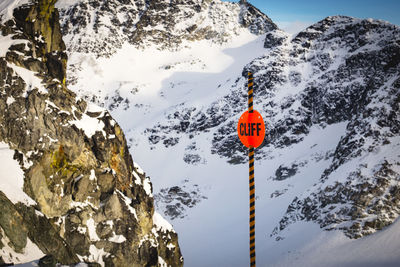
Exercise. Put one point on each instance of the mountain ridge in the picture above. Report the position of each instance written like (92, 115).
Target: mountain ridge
(102, 27)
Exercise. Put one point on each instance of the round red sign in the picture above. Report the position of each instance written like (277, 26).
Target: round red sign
(251, 129)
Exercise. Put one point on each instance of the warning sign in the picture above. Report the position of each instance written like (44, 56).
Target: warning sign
(251, 129)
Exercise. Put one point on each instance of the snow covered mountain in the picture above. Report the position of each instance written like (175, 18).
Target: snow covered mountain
(69, 190)
(103, 27)
(173, 74)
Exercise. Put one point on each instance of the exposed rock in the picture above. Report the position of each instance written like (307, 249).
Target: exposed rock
(252, 18)
(8, 219)
(274, 39)
(48, 261)
(175, 200)
(282, 173)
(278, 193)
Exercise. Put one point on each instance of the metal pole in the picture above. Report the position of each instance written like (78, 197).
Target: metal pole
(252, 190)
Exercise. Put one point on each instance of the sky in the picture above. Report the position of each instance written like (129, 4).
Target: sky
(293, 16)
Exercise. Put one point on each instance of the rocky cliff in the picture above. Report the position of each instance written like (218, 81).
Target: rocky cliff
(87, 201)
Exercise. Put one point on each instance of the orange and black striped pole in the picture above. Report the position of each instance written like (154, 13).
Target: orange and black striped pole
(252, 189)
(251, 132)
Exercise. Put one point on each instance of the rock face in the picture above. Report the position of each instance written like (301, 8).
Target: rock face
(102, 27)
(93, 204)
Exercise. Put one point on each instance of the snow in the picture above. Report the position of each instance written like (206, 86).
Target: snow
(147, 186)
(89, 125)
(66, 3)
(170, 246)
(7, 41)
(128, 202)
(7, 7)
(10, 100)
(150, 238)
(29, 78)
(50, 105)
(91, 226)
(161, 262)
(228, 199)
(335, 249)
(193, 78)
(80, 205)
(12, 177)
(191, 74)
(138, 169)
(81, 229)
(96, 255)
(95, 108)
(161, 224)
(52, 140)
(138, 181)
(31, 251)
(92, 176)
(117, 238)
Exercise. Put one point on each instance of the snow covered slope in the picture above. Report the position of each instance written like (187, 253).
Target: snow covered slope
(334, 249)
(330, 98)
(11, 184)
(7, 7)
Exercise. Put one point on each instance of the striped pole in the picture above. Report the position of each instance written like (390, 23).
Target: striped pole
(252, 189)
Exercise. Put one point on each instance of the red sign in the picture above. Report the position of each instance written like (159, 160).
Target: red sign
(251, 129)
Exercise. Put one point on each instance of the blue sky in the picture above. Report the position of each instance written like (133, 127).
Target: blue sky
(292, 15)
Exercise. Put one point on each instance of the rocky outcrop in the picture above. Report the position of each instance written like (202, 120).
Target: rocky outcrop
(92, 203)
(255, 20)
(42, 19)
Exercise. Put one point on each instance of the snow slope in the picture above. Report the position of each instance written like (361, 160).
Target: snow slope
(31, 252)
(7, 7)
(218, 226)
(335, 249)
(162, 81)
(11, 184)
(12, 177)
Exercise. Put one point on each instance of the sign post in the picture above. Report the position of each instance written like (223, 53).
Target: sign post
(251, 131)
